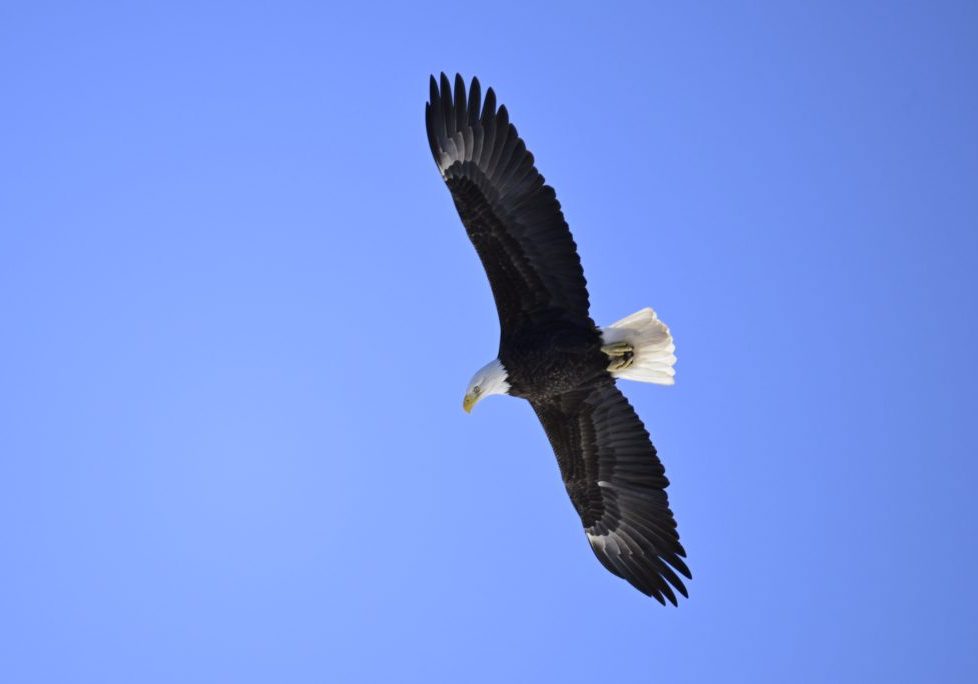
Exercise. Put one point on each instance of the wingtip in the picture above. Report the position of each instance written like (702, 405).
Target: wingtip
(502, 115)
(459, 101)
(475, 101)
(677, 563)
(489, 104)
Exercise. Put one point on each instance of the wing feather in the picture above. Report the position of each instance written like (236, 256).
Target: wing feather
(617, 485)
(512, 217)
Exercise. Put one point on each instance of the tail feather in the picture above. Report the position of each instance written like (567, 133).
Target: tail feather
(652, 347)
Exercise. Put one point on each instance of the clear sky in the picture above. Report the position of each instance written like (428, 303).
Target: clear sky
(238, 313)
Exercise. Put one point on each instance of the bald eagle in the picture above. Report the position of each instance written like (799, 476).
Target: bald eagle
(550, 351)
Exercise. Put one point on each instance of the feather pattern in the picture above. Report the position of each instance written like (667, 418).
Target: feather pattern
(512, 217)
(617, 485)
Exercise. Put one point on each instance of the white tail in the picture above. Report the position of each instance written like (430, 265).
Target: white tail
(651, 347)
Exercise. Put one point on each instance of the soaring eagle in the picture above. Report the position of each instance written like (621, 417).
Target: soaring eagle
(550, 351)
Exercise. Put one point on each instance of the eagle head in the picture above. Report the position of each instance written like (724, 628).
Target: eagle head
(490, 379)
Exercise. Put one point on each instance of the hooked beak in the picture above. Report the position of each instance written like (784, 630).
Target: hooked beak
(469, 401)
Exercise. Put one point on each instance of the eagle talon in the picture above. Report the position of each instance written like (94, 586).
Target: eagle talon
(622, 355)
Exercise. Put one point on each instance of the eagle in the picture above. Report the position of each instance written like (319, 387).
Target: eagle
(551, 353)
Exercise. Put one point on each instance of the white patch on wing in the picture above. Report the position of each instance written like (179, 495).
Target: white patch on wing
(605, 542)
(452, 152)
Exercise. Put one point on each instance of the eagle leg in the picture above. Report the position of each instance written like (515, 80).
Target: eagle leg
(621, 355)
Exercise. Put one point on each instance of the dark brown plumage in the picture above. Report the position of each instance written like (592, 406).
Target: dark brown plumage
(549, 346)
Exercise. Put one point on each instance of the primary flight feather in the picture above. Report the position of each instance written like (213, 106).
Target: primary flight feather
(550, 351)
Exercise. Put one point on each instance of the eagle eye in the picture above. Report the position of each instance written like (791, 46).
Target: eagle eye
(476, 389)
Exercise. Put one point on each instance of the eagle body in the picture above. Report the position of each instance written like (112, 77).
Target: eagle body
(544, 361)
(551, 353)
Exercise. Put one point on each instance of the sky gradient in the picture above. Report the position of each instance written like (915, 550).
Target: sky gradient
(238, 313)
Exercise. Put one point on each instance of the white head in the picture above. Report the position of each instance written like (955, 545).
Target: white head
(490, 379)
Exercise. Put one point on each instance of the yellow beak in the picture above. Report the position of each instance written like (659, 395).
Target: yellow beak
(469, 401)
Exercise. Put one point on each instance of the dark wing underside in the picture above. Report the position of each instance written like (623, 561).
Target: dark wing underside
(511, 216)
(617, 485)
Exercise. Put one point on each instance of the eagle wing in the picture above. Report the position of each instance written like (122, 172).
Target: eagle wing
(618, 486)
(513, 218)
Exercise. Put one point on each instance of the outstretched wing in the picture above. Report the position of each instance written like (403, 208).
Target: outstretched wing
(513, 218)
(617, 485)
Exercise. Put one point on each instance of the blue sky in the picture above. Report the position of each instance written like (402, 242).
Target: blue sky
(239, 313)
